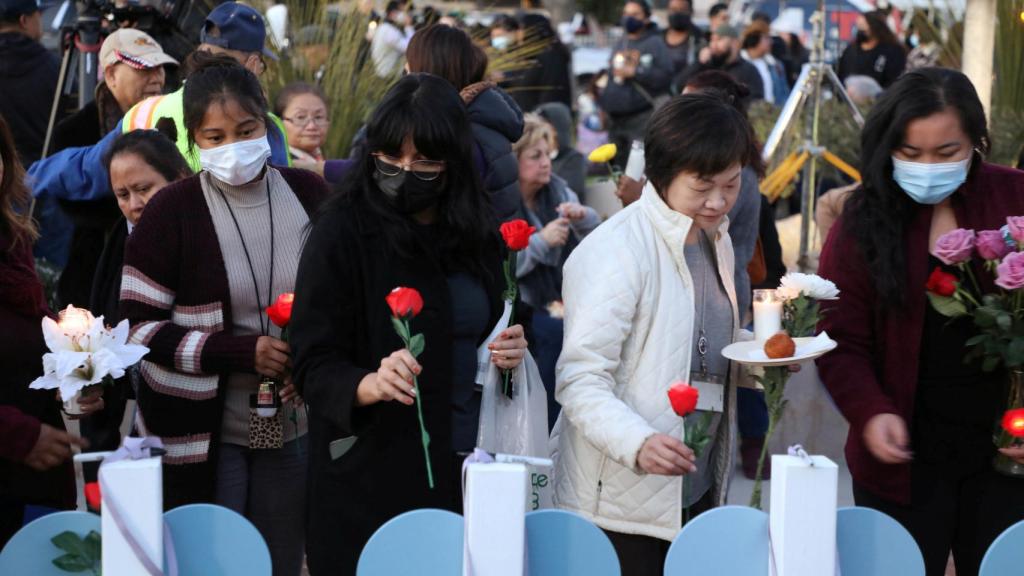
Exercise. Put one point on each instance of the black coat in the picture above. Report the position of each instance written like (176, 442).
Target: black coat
(340, 330)
(103, 429)
(497, 122)
(28, 76)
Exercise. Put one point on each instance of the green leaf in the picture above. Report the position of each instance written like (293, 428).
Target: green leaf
(990, 363)
(975, 340)
(1004, 321)
(948, 306)
(401, 328)
(70, 542)
(416, 345)
(93, 542)
(72, 563)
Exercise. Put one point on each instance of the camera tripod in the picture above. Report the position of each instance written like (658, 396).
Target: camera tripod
(805, 102)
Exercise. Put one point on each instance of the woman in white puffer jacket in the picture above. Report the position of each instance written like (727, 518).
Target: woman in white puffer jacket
(642, 293)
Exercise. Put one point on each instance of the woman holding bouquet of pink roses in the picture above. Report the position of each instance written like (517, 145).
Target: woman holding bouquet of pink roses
(920, 446)
(411, 214)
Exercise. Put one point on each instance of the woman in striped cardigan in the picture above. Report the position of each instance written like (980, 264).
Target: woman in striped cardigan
(208, 255)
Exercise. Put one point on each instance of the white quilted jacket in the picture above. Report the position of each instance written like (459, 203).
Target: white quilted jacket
(629, 313)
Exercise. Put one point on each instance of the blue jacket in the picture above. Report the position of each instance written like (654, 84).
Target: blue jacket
(78, 174)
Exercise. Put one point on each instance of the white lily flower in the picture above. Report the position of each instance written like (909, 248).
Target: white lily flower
(811, 285)
(83, 352)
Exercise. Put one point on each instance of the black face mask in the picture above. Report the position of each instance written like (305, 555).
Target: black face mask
(719, 60)
(862, 37)
(679, 21)
(408, 194)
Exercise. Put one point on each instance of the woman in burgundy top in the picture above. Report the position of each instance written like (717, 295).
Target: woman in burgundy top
(921, 419)
(34, 448)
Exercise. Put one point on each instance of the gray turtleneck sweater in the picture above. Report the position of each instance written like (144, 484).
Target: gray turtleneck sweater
(252, 211)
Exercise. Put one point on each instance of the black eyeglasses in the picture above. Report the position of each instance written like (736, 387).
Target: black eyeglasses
(426, 170)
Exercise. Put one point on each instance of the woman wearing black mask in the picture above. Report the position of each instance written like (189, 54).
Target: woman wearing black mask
(410, 214)
(876, 52)
(682, 38)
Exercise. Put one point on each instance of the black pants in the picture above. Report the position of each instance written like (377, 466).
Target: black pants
(12, 514)
(644, 555)
(951, 511)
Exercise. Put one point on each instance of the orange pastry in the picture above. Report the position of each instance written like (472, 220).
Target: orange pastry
(780, 346)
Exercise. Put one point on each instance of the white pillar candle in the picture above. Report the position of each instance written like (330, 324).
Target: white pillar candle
(767, 314)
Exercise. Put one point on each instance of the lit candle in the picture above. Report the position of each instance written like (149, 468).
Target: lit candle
(74, 321)
(767, 314)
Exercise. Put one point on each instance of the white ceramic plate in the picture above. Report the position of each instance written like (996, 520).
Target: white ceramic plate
(752, 353)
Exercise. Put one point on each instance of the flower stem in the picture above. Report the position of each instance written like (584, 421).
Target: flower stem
(424, 436)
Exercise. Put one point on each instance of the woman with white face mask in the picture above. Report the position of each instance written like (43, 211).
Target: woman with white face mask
(921, 418)
(206, 259)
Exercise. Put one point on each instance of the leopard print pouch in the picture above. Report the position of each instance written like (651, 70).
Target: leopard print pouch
(265, 433)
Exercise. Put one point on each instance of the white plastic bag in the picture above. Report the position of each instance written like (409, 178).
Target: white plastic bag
(518, 425)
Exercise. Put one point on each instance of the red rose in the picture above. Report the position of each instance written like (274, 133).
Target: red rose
(405, 302)
(517, 234)
(92, 495)
(1013, 422)
(280, 312)
(941, 283)
(683, 398)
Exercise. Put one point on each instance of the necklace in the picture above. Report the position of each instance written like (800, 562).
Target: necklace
(264, 329)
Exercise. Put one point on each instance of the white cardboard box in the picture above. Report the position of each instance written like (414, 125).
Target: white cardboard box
(803, 516)
(495, 514)
(138, 485)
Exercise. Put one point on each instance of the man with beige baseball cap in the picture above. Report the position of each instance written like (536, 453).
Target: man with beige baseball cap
(133, 70)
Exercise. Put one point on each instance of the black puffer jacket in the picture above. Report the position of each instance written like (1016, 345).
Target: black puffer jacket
(28, 75)
(497, 122)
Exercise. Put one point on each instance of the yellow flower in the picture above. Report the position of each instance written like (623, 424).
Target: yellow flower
(603, 154)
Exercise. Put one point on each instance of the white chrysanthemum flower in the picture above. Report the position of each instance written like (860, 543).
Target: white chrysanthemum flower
(811, 285)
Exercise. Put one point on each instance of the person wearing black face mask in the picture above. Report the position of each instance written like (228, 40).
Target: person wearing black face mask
(411, 213)
(683, 39)
(724, 54)
(640, 75)
(875, 51)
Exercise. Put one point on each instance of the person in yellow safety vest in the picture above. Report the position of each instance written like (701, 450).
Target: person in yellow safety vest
(232, 29)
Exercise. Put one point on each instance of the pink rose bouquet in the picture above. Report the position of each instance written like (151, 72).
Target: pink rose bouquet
(997, 311)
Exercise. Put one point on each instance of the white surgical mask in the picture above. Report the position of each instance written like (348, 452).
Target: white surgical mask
(236, 163)
(501, 42)
(929, 183)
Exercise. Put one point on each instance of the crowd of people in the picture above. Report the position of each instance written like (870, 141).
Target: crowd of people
(188, 211)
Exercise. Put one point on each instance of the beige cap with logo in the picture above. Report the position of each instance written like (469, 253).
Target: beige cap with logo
(134, 48)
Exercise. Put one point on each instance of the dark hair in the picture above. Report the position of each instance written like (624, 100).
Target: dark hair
(722, 85)
(718, 9)
(880, 30)
(506, 23)
(877, 213)
(644, 5)
(218, 78)
(392, 6)
(285, 96)
(699, 133)
(752, 39)
(15, 198)
(449, 53)
(154, 147)
(429, 110)
(761, 17)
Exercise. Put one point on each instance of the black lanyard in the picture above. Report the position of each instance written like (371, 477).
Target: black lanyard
(264, 330)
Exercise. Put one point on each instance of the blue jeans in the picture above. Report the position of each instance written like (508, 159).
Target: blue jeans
(546, 346)
(269, 488)
(752, 413)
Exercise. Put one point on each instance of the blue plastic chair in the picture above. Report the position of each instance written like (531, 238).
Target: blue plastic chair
(726, 541)
(211, 539)
(1006, 554)
(870, 542)
(424, 542)
(30, 550)
(560, 543)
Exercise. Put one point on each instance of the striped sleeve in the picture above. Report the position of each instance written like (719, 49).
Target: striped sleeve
(184, 340)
